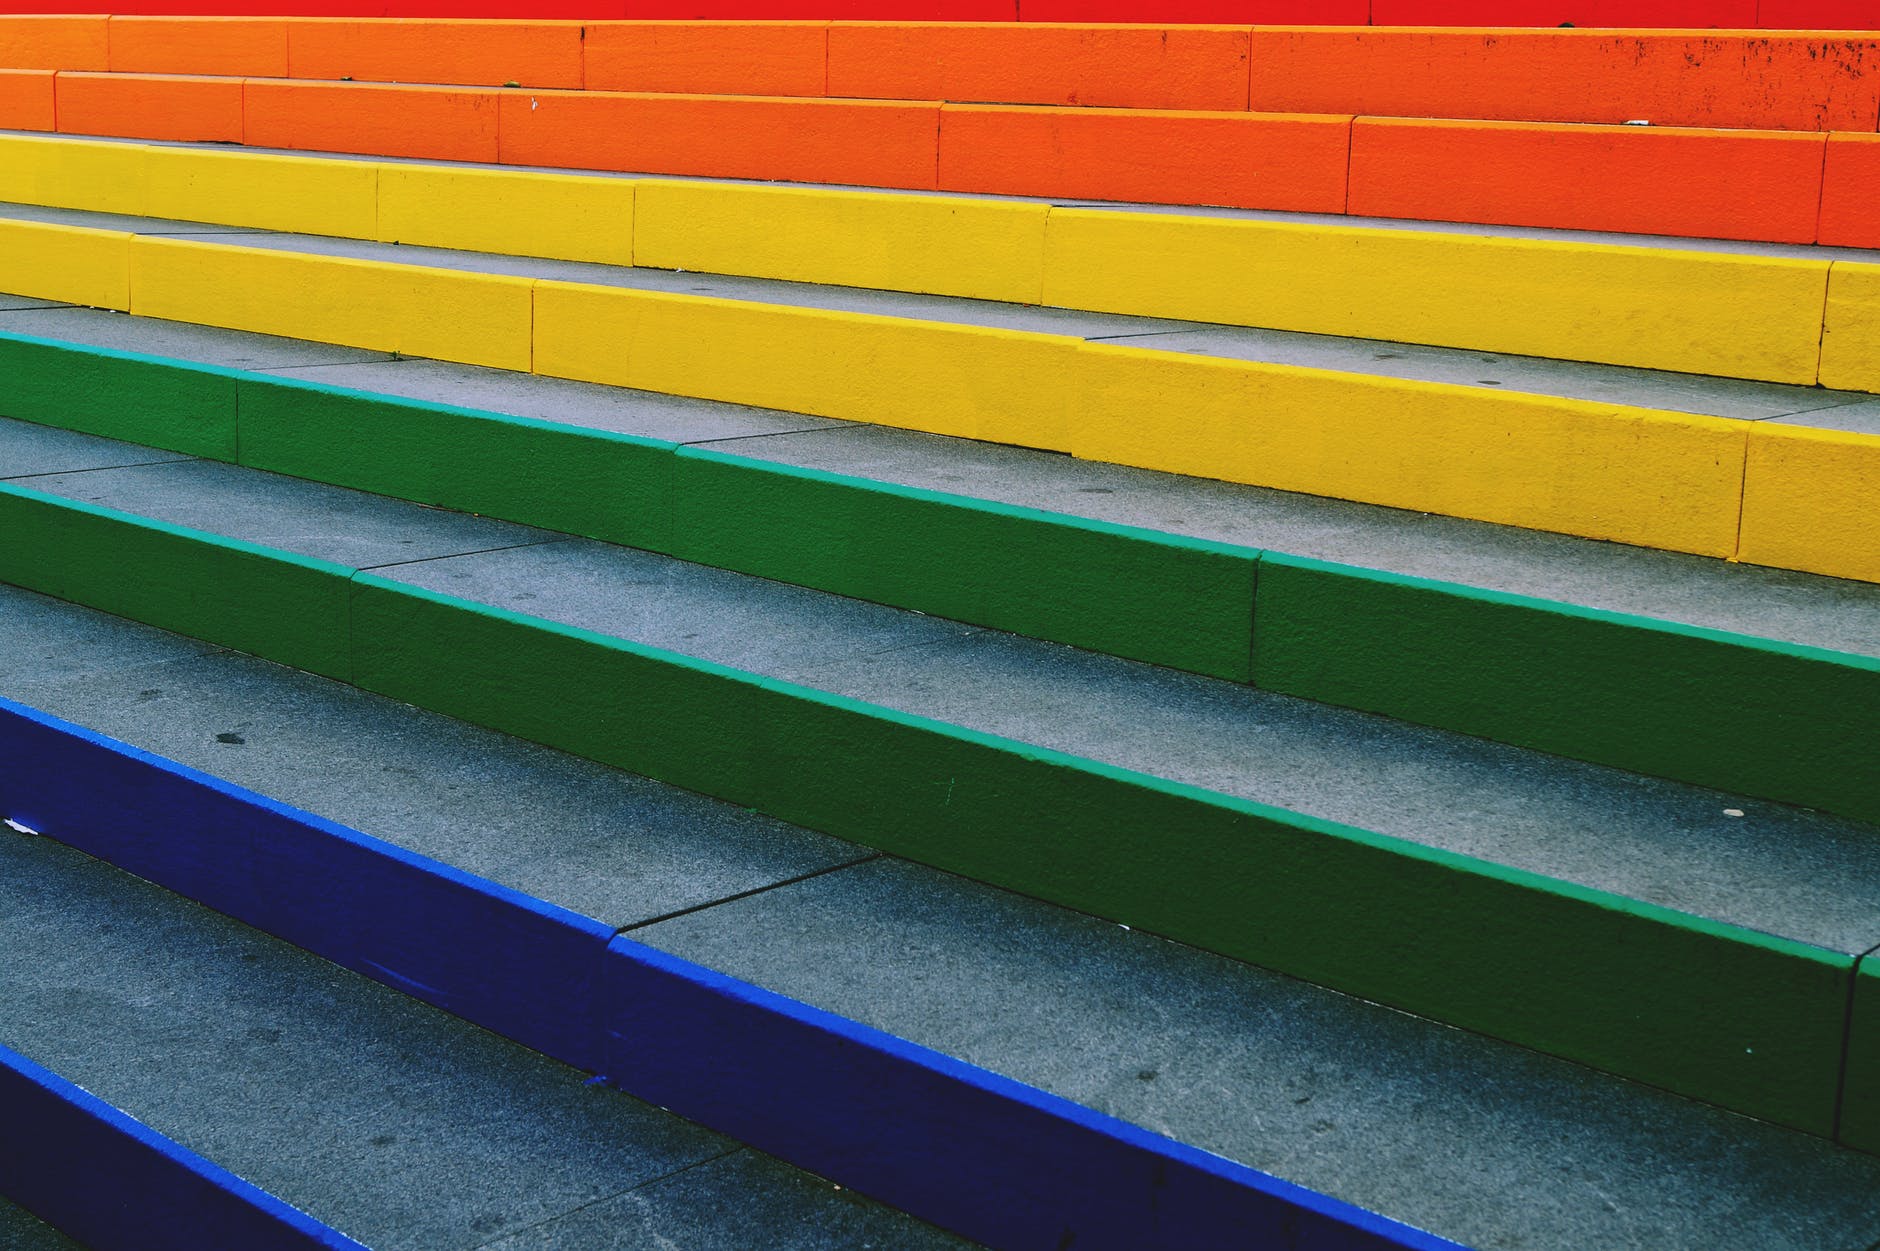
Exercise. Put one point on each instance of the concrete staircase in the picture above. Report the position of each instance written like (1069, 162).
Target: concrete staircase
(1088, 723)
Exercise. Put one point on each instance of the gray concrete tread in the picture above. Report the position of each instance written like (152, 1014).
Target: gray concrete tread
(390, 1120)
(1792, 607)
(1783, 870)
(1480, 1140)
(1653, 389)
(1493, 1146)
(1479, 229)
(20, 1230)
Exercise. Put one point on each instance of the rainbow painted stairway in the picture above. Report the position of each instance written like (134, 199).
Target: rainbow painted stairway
(1190, 659)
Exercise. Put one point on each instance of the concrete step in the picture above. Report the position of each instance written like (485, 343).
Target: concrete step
(1794, 186)
(1294, 594)
(384, 1118)
(23, 1231)
(1644, 470)
(1716, 78)
(1322, 1089)
(946, 743)
(1712, 307)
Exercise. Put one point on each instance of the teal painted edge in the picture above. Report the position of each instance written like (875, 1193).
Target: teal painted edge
(572, 479)
(1691, 703)
(1122, 590)
(257, 599)
(272, 382)
(109, 393)
(995, 508)
(1860, 1093)
(1127, 625)
(1197, 617)
(1605, 900)
(1603, 616)
(1053, 794)
(1727, 986)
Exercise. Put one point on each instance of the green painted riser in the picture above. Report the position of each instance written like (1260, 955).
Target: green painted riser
(1182, 603)
(1860, 1108)
(116, 395)
(1726, 1015)
(1754, 717)
(588, 482)
(1637, 694)
(1165, 600)
(249, 598)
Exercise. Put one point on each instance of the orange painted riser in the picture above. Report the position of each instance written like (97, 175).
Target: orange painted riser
(1800, 82)
(437, 123)
(26, 100)
(1643, 180)
(239, 47)
(1249, 161)
(1850, 192)
(1763, 185)
(138, 107)
(717, 58)
(532, 54)
(859, 142)
(1143, 67)
(55, 43)
(1723, 79)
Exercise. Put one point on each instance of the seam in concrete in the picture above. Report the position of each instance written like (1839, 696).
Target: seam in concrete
(1847, 1044)
(758, 890)
(1821, 341)
(1351, 143)
(481, 551)
(1828, 407)
(177, 459)
(201, 228)
(1742, 499)
(288, 369)
(1821, 188)
(507, 1234)
(1253, 621)
(776, 434)
(1248, 103)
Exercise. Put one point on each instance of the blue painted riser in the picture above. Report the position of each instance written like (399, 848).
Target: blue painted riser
(964, 1148)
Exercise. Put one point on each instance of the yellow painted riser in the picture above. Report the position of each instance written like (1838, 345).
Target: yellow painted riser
(1740, 316)
(1734, 316)
(1811, 500)
(478, 319)
(66, 263)
(1634, 475)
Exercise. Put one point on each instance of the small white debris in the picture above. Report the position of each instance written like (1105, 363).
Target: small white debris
(534, 104)
(17, 828)
(1639, 122)
(1732, 812)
